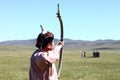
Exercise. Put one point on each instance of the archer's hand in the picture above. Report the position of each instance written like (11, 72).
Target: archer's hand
(61, 43)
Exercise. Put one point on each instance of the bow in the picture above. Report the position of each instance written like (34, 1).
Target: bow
(61, 39)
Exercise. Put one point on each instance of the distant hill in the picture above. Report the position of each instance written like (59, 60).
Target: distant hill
(18, 42)
(30, 42)
(72, 44)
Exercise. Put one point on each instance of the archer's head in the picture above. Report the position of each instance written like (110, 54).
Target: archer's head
(44, 39)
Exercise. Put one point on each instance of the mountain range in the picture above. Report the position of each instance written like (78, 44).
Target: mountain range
(72, 44)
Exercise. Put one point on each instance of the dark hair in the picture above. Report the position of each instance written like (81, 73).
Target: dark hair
(43, 39)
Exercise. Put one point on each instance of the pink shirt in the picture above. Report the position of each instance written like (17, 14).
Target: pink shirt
(42, 66)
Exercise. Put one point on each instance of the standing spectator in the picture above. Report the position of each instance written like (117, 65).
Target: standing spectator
(83, 54)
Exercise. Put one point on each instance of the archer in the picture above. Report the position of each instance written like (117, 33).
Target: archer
(42, 62)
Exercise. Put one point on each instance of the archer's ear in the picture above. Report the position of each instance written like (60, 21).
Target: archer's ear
(48, 46)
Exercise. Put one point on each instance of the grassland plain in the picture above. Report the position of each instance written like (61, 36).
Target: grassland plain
(14, 64)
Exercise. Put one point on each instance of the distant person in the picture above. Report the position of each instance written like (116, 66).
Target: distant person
(83, 54)
(42, 63)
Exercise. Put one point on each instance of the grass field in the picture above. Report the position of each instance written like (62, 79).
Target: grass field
(14, 64)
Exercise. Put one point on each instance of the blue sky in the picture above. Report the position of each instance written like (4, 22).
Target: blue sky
(82, 19)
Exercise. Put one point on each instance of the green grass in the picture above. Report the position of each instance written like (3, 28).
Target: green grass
(14, 64)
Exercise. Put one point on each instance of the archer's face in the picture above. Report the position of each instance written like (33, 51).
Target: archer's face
(51, 45)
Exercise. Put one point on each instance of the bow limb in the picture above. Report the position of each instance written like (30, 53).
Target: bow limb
(61, 39)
